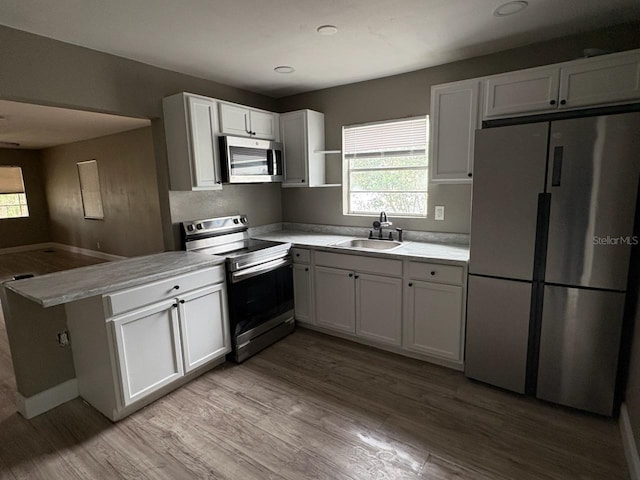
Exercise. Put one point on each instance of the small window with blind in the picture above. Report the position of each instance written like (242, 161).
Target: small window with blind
(13, 200)
(385, 168)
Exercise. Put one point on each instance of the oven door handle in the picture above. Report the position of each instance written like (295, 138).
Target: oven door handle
(241, 275)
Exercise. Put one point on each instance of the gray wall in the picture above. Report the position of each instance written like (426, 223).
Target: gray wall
(408, 95)
(44, 71)
(127, 172)
(35, 227)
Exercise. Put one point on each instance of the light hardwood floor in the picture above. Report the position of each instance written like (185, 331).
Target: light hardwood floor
(313, 406)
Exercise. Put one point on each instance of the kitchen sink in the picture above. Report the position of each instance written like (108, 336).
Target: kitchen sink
(369, 244)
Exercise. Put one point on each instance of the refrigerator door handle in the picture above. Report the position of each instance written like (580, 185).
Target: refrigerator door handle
(558, 153)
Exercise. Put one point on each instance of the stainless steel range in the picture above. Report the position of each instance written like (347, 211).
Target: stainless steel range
(259, 281)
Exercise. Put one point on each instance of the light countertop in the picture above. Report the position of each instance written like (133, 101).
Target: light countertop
(453, 254)
(69, 285)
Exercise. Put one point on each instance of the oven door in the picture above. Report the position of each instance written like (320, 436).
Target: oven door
(247, 160)
(260, 294)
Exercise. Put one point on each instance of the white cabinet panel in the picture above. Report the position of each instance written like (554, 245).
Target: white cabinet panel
(534, 91)
(234, 120)
(191, 126)
(600, 80)
(302, 135)
(335, 299)
(263, 125)
(246, 122)
(302, 292)
(148, 350)
(203, 326)
(379, 308)
(434, 319)
(453, 121)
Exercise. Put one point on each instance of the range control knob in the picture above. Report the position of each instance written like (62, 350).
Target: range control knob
(189, 228)
(243, 219)
(199, 226)
(236, 221)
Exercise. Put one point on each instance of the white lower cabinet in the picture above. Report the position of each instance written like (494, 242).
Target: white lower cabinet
(434, 320)
(202, 339)
(148, 350)
(335, 299)
(379, 308)
(302, 293)
(128, 353)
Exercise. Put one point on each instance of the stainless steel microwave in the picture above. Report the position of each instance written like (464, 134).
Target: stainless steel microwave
(250, 160)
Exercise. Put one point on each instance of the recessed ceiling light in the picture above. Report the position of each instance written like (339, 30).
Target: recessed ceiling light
(284, 69)
(327, 30)
(510, 8)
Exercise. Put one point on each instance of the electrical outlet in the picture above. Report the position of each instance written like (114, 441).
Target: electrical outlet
(63, 339)
(98, 245)
(439, 212)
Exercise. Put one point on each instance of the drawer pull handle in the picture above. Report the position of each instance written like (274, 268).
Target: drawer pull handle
(357, 276)
(306, 269)
(297, 254)
(433, 272)
(350, 275)
(181, 301)
(410, 284)
(176, 287)
(175, 305)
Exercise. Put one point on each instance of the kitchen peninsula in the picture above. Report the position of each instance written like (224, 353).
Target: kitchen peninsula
(74, 332)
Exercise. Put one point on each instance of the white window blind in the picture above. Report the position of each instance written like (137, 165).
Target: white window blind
(11, 180)
(388, 138)
(386, 168)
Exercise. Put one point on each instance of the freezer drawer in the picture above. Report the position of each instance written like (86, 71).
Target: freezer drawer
(497, 331)
(579, 347)
(593, 180)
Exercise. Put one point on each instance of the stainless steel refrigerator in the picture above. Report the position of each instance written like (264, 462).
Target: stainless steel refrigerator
(551, 236)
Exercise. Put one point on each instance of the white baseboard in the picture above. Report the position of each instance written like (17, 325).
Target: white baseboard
(629, 443)
(33, 406)
(62, 246)
(87, 252)
(26, 248)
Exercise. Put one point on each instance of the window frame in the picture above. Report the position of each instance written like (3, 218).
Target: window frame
(346, 183)
(22, 194)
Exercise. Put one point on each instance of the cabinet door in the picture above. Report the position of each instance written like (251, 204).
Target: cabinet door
(434, 319)
(598, 81)
(531, 91)
(234, 120)
(204, 326)
(263, 125)
(335, 299)
(293, 133)
(148, 350)
(204, 145)
(453, 122)
(302, 292)
(379, 308)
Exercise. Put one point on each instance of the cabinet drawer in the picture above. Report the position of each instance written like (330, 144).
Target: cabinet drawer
(436, 273)
(136, 297)
(358, 263)
(300, 255)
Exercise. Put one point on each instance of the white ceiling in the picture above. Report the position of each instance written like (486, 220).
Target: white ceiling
(37, 126)
(239, 42)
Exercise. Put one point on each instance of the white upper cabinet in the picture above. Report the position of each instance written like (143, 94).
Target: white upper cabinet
(609, 79)
(191, 126)
(302, 135)
(528, 91)
(588, 82)
(453, 121)
(248, 122)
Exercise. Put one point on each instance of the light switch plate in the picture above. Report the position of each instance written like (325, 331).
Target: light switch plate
(439, 212)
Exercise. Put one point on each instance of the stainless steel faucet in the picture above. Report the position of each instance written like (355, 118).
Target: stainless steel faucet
(379, 224)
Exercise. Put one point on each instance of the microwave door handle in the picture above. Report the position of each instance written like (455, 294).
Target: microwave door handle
(271, 162)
